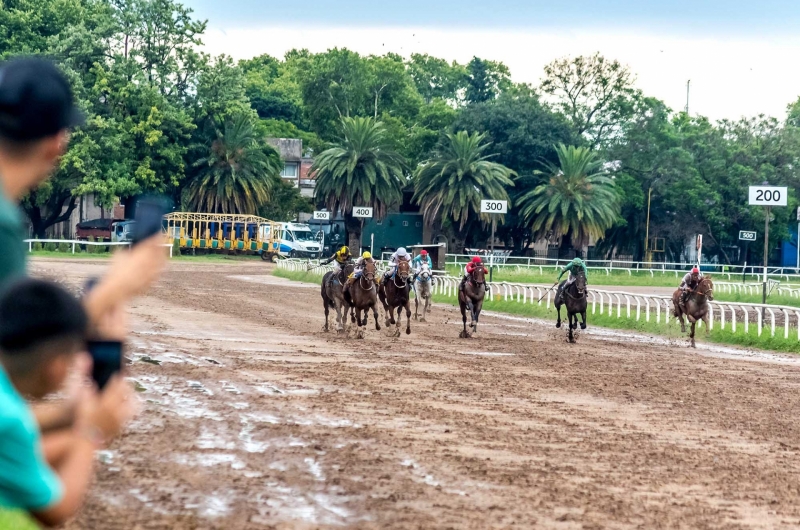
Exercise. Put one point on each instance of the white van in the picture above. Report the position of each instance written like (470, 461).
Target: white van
(297, 241)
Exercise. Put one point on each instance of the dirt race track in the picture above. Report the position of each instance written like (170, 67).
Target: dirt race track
(254, 418)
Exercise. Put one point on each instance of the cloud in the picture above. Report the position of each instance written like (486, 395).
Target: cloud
(730, 77)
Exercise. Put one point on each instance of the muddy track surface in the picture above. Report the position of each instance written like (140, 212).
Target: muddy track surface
(255, 418)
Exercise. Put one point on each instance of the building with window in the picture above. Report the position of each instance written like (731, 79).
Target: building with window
(296, 163)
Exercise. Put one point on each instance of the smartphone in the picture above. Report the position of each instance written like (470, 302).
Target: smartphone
(149, 217)
(106, 360)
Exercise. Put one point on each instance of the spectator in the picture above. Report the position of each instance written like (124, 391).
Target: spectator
(42, 335)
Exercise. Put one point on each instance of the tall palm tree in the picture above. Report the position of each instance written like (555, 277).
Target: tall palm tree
(361, 169)
(452, 184)
(237, 174)
(578, 200)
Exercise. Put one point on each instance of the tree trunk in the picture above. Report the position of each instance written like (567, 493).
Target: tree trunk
(353, 227)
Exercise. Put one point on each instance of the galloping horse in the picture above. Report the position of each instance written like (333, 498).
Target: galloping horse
(332, 296)
(422, 287)
(472, 298)
(364, 296)
(696, 305)
(574, 297)
(394, 293)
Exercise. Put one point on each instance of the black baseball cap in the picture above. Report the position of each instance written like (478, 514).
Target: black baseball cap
(35, 100)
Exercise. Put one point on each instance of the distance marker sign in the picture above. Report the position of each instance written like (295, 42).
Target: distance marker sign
(489, 206)
(362, 211)
(322, 216)
(768, 195)
(745, 235)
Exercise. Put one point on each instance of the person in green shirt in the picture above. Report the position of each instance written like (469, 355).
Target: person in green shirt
(42, 336)
(572, 267)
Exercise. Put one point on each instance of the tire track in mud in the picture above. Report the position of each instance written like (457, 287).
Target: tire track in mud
(254, 418)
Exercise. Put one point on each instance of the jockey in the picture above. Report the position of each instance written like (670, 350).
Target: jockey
(689, 283)
(341, 257)
(401, 254)
(361, 264)
(469, 269)
(417, 262)
(572, 268)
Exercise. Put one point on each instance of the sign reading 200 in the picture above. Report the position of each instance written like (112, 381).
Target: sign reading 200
(767, 195)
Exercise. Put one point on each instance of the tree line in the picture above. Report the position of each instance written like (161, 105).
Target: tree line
(577, 156)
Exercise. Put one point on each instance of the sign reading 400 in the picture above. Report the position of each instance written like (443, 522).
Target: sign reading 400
(490, 206)
(362, 211)
(767, 195)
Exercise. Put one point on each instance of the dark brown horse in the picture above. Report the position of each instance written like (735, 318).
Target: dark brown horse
(471, 298)
(394, 294)
(574, 297)
(696, 307)
(363, 297)
(332, 296)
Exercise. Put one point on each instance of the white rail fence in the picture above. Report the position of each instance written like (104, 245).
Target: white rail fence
(78, 242)
(727, 315)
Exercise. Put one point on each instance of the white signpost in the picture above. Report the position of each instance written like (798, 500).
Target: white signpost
(321, 216)
(495, 208)
(362, 212)
(745, 235)
(768, 196)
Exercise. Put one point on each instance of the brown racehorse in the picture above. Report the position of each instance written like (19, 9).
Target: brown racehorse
(332, 296)
(696, 305)
(472, 298)
(394, 294)
(364, 296)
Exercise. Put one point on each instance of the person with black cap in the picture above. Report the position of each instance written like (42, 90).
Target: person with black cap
(37, 113)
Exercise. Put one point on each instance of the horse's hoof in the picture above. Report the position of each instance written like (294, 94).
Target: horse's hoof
(408, 331)
(415, 317)
(422, 319)
(463, 335)
(583, 325)
(558, 324)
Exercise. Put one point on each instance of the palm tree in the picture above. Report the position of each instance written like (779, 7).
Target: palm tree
(362, 169)
(237, 174)
(578, 200)
(452, 184)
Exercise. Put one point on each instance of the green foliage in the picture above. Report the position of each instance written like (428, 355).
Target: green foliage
(64, 247)
(452, 184)
(37, 246)
(91, 249)
(578, 199)
(176, 247)
(286, 203)
(486, 80)
(50, 246)
(238, 172)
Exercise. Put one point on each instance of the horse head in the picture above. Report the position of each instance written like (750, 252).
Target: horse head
(403, 269)
(580, 283)
(369, 271)
(479, 275)
(346, 271)
(424, 273)
(706, 288)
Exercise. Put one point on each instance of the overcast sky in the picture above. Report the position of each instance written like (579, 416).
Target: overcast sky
(741, 56)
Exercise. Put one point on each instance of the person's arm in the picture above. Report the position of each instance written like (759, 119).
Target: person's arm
(132, 272)
(99, 419)
(564, 271)
(53, 416)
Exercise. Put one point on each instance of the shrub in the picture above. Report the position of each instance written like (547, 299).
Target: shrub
(50, 247)
(176, 247)
(37, 246)
(90, 249)
(64, 247)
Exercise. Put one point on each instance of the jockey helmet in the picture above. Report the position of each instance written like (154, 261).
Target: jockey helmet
(423, 252)
(577, 261)
(476, 260)
(401, 252)
(344, 250)
(366, 255)
(695, 270)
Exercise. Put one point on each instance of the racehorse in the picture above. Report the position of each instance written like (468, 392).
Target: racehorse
(696, 305)
(574, 297)
(472, 298)
(394, 293)
(363, 297)
(423, 290)
(332, 296)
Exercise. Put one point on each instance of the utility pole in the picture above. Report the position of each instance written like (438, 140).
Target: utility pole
(647, 226)
(687, 96)
(766, 255)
